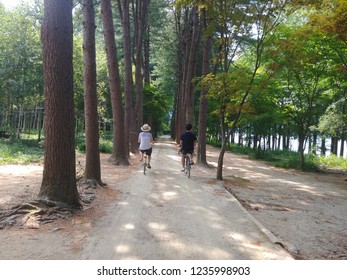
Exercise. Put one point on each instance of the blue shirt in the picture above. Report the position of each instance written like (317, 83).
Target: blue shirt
(145, 140)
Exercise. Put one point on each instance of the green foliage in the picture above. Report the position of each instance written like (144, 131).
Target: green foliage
(292, 74)
(311, 162)
(290, 159)
(333, 121)
(20, 152)
(105, 145)
(282, 159)
(80, 143)
(21, 84)
(156, 108)
(333, 161)
(227, 89)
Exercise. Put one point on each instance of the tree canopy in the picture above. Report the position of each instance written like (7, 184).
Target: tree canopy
(275, 71)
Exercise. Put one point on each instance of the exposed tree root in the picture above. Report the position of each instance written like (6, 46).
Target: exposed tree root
(42, 211)
(94, 184)
(119, 162)
(32, 214)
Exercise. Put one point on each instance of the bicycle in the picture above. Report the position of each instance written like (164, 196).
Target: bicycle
(187, 166)
(187, 162)
(145, 163)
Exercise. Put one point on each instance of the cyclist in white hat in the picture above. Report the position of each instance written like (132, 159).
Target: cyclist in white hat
(146, 141)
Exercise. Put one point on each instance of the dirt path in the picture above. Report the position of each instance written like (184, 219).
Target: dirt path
(305, 211)
(165, 215)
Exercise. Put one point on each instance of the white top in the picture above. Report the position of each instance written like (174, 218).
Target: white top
(145, 140)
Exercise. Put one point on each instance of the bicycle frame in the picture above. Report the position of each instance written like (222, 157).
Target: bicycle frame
(187, 165)
(144, 163)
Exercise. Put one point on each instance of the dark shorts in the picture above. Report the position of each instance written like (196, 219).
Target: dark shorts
(187, 152)
(148, 152)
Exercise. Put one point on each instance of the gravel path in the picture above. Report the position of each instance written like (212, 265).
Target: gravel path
(165, 215)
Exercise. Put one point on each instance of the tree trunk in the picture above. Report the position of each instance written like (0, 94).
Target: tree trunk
(343, 139)
(119, 152)
(203, 109)
(179, 96)
(59, 173)
(314, 143)
(128, 83)
(146, 49)
(301, 150)
(180, 116)
(140, 21)
(219, 175)
(334, 141)
(92, 169)
(192, 50)
(323, 146)
(343, 132)
(279, 141)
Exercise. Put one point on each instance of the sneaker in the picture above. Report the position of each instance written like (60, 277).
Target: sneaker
(182, 170)
(149, 166)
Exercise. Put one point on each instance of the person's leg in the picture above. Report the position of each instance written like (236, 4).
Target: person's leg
(191, 158)
(149, 161)
(183, 161)
(149, 154)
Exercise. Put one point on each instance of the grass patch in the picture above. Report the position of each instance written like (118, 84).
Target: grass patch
(21, 151)
(105, 145)
(27, 150)
(290, 159)
(333, 162)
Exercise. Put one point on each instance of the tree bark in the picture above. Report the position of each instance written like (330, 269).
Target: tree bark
(141, 21)
(219, 174)
(180, 115)
(130, 127)
(203, 108)
(301, 149)
(119, 152)
(191, 62)
(146, 49)
(334, 144)
(59, 174)
(92, 169)
(343, 139)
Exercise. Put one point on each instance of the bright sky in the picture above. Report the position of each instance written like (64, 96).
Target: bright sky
(11, 3)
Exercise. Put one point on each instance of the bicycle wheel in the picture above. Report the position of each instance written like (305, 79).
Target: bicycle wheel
(144, 166)
(188, 166)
